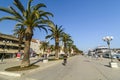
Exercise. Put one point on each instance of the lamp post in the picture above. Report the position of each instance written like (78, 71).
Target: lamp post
(108, 39)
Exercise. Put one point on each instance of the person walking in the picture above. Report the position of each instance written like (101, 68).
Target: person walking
(2, 57)
(65, 59)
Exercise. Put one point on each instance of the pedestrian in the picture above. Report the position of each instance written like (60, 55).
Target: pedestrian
(65, 59)
(2, 57)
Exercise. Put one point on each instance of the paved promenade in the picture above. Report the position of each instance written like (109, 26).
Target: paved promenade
(94, 67)
(4, 75)
(102, 66)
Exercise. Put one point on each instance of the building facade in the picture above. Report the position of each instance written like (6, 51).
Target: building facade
(9, 45)
(35, 47)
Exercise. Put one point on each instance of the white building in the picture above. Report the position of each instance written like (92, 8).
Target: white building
(35, 46)
(101, 49)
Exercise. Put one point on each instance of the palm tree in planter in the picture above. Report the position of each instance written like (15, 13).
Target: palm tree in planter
(19, 32)
(31, 17)
(56, 34)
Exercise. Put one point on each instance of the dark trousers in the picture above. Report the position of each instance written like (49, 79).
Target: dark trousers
(65, 60)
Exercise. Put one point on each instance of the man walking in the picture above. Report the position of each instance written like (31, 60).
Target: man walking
(2, 57)
(64, 59)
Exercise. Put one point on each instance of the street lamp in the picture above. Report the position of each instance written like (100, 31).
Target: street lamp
(108, 39)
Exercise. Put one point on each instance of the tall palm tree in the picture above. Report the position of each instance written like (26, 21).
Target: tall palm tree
(56, 34)
(30, 17)
(66, 38)
(70, 44)
(19, 32)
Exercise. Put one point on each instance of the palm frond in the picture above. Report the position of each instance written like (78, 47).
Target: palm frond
(7, 10)
(29, 5)
(16, 13)
(42, 27)
(46, 14)
(19, 5)
(10, 18)
(36, 7)
(48, 36)
(50, 23)
(18, 24)
(35, 15)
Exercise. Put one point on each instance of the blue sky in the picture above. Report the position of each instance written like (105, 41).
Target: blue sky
(87, 21)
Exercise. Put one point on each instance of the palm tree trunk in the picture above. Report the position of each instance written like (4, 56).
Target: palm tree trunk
(26, 58)
(65, 47)
(20, 43)
(57, 49)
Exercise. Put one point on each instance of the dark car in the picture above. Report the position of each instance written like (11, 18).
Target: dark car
(118, 56)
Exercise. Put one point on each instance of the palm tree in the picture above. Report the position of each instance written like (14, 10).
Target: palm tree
(70, 44)
(76, 50)
(52, 48)
(44, 46)
(19, 32)
(30, 17)
(56, 34)
(66, 38)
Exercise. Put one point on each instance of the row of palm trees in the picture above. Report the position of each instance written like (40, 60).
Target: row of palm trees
(58, 34)
(30, 18)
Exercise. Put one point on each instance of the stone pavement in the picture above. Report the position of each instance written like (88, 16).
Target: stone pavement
(4, 75)
(78, 68)
(101, 65)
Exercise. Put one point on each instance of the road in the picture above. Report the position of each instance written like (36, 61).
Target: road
(77, 68)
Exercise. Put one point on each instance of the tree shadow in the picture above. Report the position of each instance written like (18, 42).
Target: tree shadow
(107, 66)
(36, 61)
(86, 61)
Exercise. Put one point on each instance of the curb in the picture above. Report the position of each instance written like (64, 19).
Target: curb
(10, 74)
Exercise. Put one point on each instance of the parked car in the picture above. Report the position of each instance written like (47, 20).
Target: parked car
(114, 56)
(118, 56)
(109, 56)
(61, 56)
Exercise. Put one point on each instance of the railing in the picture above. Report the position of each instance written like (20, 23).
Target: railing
(11, 44)
(8, 51)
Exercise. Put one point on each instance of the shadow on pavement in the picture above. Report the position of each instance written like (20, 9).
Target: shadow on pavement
(36, 61)
(86, 61)
(107, 66)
